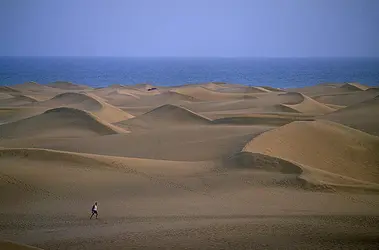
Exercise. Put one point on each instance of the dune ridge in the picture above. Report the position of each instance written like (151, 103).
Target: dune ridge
(58, 122)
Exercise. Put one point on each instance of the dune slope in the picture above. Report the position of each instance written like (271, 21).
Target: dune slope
(305, 104)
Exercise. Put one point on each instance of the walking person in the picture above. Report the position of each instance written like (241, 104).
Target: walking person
(94, 210)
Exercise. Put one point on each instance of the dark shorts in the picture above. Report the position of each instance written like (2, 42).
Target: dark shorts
(94, 212)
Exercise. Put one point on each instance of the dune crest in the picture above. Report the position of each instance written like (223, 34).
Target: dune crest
(322, 145)
(58, 122)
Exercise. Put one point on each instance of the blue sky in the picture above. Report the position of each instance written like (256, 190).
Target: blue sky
(190, 28)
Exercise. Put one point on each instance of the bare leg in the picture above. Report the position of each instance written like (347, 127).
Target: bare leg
(91, 215)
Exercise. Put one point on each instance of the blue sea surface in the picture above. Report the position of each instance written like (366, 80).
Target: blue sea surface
(104, 71)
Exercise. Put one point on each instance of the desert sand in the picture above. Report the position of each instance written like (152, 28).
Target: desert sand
(202, 166)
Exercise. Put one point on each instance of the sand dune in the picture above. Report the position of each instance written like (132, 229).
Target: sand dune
(305, 104)
(167, 115)
(68, 86)
(87, 102)
(362, 116)
(59, 122)
(325, 146)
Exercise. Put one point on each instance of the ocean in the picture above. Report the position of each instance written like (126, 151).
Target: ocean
(104, 71)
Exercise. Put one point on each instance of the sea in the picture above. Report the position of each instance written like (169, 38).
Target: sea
(105, 71)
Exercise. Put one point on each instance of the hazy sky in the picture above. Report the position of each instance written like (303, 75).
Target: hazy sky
(193, 28)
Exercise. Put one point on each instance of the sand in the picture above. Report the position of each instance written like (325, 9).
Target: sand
(204, 166)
